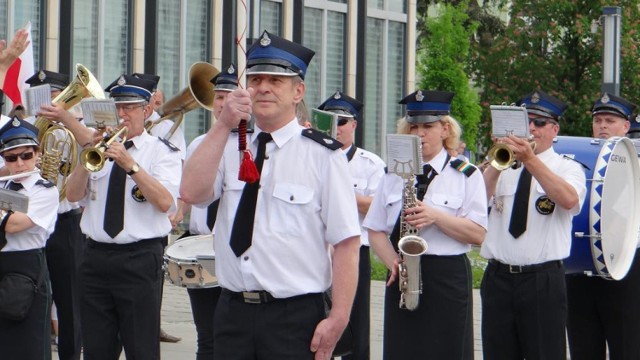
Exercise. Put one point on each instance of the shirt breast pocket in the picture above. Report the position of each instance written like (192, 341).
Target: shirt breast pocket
(360, 185)
(448, 202)
(292, 204)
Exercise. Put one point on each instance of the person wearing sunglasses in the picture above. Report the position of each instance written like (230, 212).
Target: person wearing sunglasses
(524, 298)
(604, 313)
(23, 236)
(366, 169)
(126, 223)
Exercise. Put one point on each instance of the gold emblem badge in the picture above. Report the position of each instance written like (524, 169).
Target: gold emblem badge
(136, 194)
(544, 205)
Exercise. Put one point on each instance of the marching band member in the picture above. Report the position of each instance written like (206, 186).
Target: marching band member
(22, 242)
(274, 270)
(125, 219)
(524, 302)
(605, 313)
(450, 215)
(366, 170)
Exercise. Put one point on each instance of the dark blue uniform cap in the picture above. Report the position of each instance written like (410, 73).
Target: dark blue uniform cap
(130, 89)
(540, 103)
(609, 103)
(342, 104)
(226, 80)
(150, 77)
(274, 55)
(16, 133)
(55, 80)
(427, 106)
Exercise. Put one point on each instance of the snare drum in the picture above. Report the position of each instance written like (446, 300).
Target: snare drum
(605, 232)
(182, 265)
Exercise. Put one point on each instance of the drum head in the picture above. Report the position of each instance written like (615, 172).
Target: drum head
(614, 206)
(190, 247)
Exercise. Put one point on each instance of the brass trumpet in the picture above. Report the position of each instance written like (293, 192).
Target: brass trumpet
(93, 158)
(501, 157)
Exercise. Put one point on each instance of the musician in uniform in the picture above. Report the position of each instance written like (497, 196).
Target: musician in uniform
(366, 171)
(274, 270)
(524, 301)
(450, 214)
(605, 313)
(22, 242)
(201, 222)
(125, 219)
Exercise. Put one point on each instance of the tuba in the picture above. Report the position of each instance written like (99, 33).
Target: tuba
(92, 158)
(410, 247)
(58, 145)
(199, 93)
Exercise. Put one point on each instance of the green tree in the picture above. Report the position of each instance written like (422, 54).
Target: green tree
(548, 45)
(442, 58)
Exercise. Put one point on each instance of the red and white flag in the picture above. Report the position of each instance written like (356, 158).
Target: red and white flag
(21, 69)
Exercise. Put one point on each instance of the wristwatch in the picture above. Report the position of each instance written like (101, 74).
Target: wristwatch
(134, 169)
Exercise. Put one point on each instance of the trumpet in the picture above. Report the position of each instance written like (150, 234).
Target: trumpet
(501, 157)
(93, 158)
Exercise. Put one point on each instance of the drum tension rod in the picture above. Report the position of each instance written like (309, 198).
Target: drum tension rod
(581, 234)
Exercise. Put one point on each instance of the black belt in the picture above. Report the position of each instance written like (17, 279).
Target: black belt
(70, 213)
(519, 269)
(134, 245)
(260, 296)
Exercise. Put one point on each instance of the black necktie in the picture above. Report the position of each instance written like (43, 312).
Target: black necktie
(15, 186)
(242, 230)
(428, 174)
(114, 208)
(518, 223)
(212, 212)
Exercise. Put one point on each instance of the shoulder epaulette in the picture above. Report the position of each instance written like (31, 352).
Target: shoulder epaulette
(463, 166)
(572, 159)
(45, 183)
(322, 139)
(169, 144)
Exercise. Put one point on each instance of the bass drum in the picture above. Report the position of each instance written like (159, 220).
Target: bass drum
(182, 262)
(605, 232)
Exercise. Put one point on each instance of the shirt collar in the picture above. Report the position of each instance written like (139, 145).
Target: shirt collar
(28, 182)
(282, 135)
(438, 162)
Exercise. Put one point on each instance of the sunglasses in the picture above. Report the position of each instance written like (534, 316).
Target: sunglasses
(541, 122)
(342, 122)
(14, 157)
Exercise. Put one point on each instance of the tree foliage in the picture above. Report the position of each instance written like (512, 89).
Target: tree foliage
(442, 59)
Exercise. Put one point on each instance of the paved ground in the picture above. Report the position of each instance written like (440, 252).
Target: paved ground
(177, 320)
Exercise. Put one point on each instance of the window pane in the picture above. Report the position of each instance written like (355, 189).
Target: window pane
(335, 52)
(398, 6)
(270, 17)
(373, 100)
(312, 38)
(376, 4)
(168, 52)
(116, 40)
(3, 20)
(85, 37)
(395, 73)
(28, 10)
(196, 122)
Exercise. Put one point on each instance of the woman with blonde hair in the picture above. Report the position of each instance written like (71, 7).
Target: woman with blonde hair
(450, 214)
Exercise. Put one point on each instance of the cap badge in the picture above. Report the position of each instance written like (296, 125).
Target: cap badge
(419, 95)
(122, 81)
(42, 75)
(265, 40)
(15, 122)
(605, 98)
(535, 98)
(231, 69)
(337, 95)
(638, 118)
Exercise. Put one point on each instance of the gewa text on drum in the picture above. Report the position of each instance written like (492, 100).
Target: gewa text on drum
(605, 232)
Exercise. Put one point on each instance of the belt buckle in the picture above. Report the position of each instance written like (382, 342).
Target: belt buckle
(251, 297)
(515, 269)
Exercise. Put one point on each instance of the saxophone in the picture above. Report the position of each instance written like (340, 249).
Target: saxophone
(410, 247)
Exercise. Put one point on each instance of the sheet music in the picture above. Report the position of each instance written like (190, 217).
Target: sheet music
(509, 120)
(37, 96)
(404, 154)
(324, 121)
(100, 113)
(12, 200)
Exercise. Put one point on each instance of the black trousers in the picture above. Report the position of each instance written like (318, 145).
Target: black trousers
(360, 313)
(442, 325)
(279, 330)
(120, 292)
(29, 339)
(524, 315)
(65, 248)
(203, 306)
(604, 312)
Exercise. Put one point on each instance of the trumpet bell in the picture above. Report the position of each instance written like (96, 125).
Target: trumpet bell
(501, 157)
(93, 158)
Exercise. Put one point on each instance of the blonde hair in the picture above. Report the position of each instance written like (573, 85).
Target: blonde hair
(452, 142)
